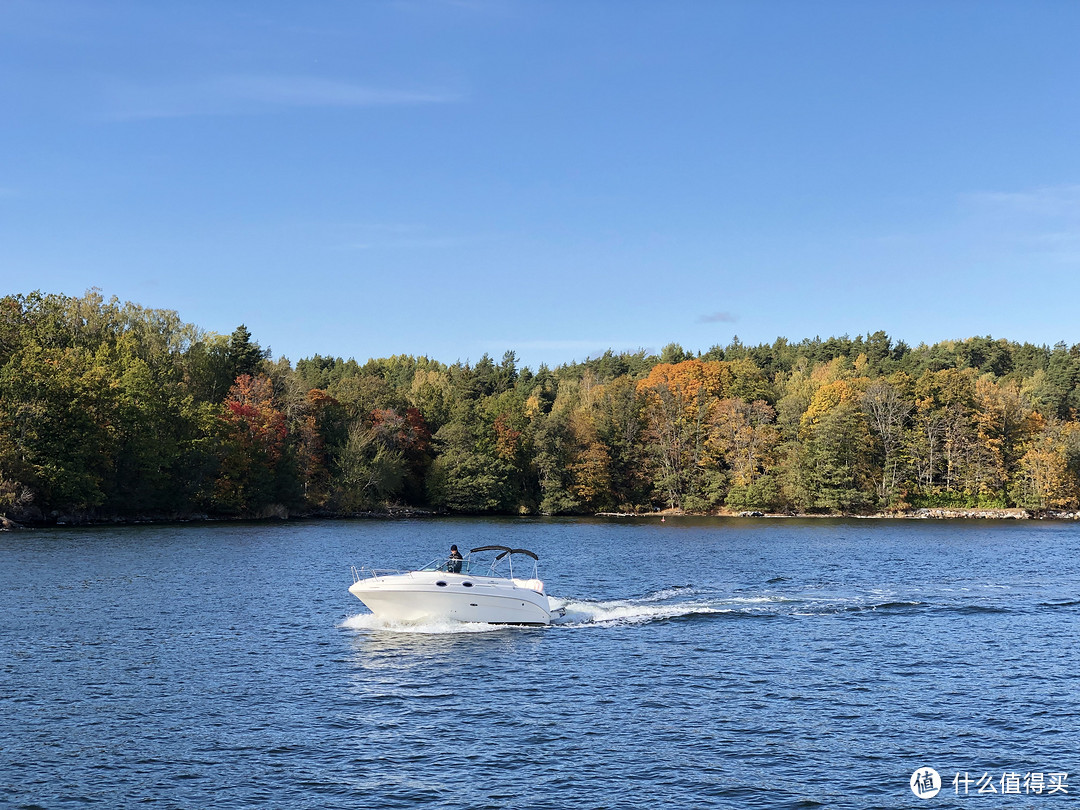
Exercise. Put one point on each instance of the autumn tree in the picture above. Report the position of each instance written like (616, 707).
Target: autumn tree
(1046, 475)
(887, 411)
(473, 470)
(618, 415)
(678, 401)
(251, 448)
(833, 464)
(745, 439)
(941, 443)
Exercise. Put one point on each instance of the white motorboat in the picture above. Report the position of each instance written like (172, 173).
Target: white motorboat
(473, 589)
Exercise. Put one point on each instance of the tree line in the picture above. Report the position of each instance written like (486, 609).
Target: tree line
(109, 409)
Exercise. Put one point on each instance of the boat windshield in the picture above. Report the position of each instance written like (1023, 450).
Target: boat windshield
(488, 561)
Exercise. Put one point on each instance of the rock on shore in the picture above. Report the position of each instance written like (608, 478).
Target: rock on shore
(986, 514)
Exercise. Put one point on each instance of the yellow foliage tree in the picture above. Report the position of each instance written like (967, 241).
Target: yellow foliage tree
(590, 469)
(1043, 479)
(828, 397)
(745, 437)
(1003, 422)
(679, 398)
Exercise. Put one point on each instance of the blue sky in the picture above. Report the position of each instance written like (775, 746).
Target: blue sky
(557, 178)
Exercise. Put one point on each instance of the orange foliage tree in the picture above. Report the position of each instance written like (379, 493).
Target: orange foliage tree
(252, 445)
(679, 398)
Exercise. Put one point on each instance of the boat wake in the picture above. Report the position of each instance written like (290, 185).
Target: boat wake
(673, 603)
(661, 605)
(616, 612)
(667, 604)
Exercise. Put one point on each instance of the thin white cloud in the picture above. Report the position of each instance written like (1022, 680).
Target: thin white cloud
(394, 236)
(1055, 202)
(717, 317)
(415, 242)
(1044, 221)
(489, 7)
(302, 91)
(255, 94)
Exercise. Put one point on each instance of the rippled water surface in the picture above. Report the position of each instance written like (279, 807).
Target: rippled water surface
(699, 664)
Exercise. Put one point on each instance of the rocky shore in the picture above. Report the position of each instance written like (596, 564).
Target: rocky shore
(910, 514)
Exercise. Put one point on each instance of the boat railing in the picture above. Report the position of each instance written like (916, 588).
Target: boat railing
(367, 572)
(471, 566)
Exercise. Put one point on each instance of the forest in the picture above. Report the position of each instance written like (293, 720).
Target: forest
(109, 410)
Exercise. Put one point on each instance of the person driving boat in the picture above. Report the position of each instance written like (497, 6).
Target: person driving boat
(453, 565)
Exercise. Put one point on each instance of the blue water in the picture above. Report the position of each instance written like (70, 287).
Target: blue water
(700, 664)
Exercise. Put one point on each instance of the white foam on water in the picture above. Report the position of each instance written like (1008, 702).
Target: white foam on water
(585, 613)
(759, 600)
(668, 593)
(371, 623)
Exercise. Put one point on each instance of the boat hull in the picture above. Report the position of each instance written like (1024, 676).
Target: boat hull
(422, 596)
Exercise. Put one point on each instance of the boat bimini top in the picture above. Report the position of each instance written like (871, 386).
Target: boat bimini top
(504, 551)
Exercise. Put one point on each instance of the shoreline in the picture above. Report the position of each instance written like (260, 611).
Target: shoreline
(277, 514)
(408, 513)
(924, 513)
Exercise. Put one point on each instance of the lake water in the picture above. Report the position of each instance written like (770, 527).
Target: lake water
(700, 664)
